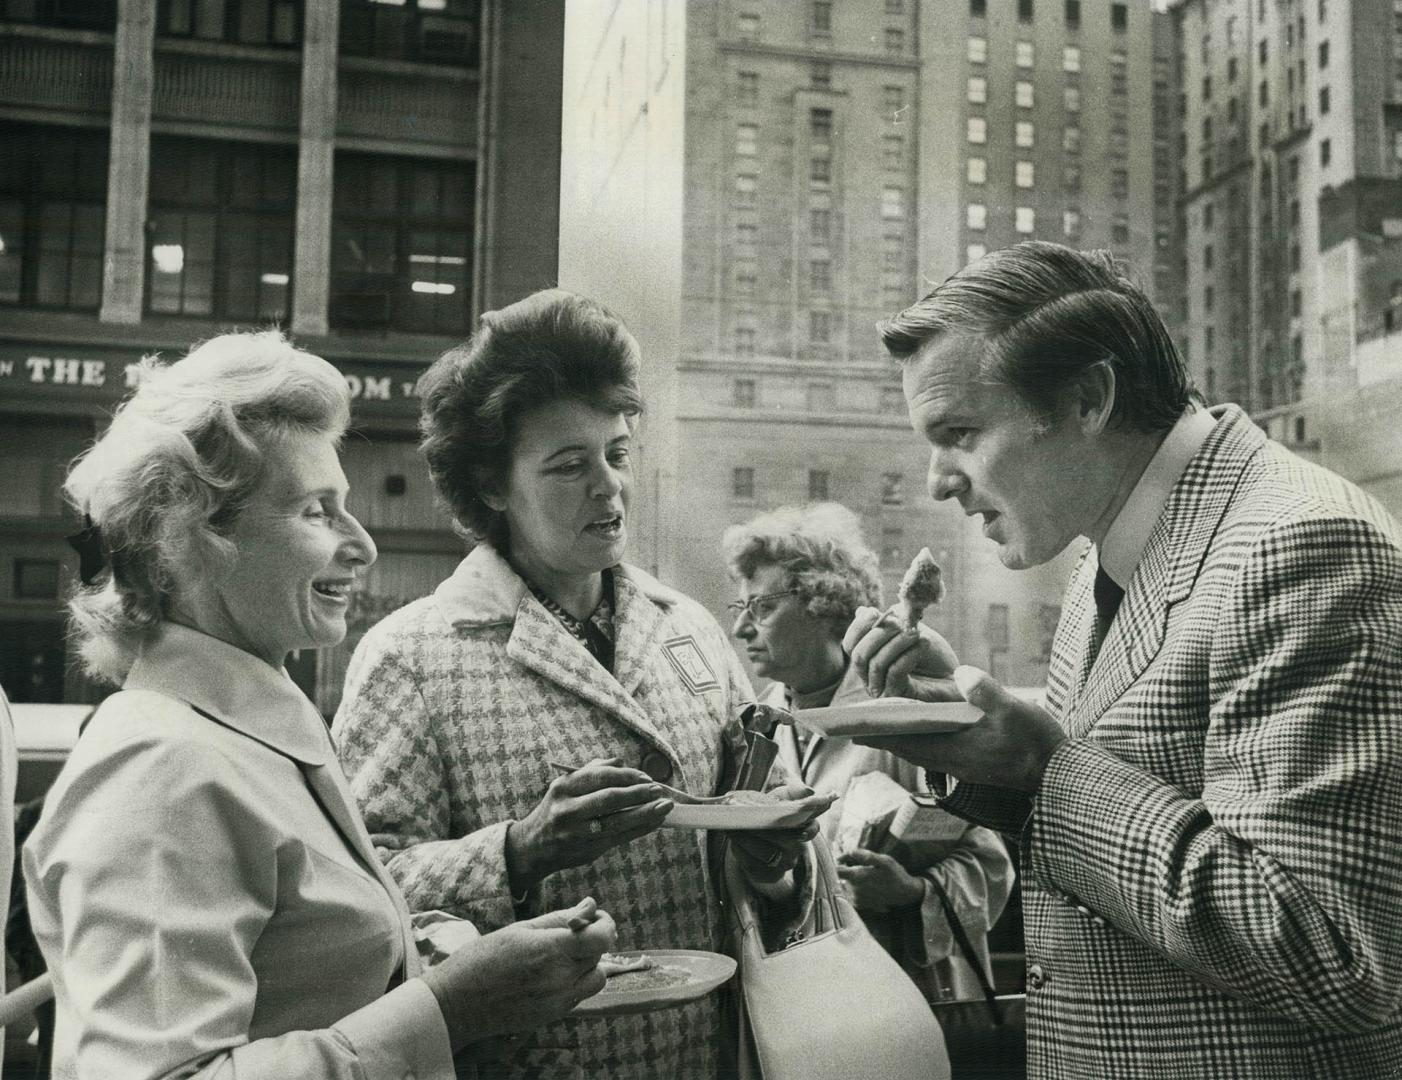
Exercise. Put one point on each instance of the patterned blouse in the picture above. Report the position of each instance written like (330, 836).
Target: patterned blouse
(594, 633)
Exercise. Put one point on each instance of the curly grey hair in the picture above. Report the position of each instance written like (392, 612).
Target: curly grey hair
(821, 549)
(168, 479)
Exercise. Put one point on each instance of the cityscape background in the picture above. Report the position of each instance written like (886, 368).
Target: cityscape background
(750, 184)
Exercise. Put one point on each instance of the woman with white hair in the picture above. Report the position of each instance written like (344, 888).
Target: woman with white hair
(201, 883)
(802, 574)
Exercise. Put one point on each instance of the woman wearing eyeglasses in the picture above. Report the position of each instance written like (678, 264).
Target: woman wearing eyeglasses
(802, 573)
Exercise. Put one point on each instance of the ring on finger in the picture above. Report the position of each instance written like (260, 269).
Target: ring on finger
(596, 826)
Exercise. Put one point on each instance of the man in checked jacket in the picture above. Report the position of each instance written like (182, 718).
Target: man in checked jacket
(1210, 805)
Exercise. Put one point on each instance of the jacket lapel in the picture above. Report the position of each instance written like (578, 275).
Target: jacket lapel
(1168, 569)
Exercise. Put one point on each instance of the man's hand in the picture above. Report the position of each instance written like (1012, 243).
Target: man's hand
(1008, 747)
(900, 662)
(878, 882)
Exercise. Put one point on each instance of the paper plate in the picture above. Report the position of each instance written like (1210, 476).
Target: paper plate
(705, 971)
(729, 818)
(891, 716)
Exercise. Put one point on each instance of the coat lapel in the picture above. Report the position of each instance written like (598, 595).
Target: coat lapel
(1167, 570)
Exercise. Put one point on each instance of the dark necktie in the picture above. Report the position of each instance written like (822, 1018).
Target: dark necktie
(1107, 601)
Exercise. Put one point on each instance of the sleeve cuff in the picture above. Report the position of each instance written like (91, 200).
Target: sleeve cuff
(1001, 809)
(401, 1034)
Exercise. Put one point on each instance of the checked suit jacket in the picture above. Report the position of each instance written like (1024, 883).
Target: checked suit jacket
(1212, 869)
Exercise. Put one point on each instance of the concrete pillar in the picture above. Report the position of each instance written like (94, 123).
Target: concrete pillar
(128, 172)
(311, 281)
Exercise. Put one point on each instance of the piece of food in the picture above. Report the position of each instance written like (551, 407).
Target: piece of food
(921, 587)
(612, 964)
(730, 798)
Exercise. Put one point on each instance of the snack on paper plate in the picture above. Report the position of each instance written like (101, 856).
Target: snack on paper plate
(611, 964)
(920, 588)
(640, 972)
(657, 979)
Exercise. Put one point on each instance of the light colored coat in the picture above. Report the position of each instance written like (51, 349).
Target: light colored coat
(454, 708)
(976, 875)
(1212, 872)
(205, 894)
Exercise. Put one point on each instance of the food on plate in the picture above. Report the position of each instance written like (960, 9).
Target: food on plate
(639, 972)
(920, 588)
(730, 798)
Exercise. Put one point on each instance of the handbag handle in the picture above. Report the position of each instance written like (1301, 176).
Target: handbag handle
(964, 945)
(828, 913)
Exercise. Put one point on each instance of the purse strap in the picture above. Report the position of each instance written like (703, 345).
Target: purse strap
(962, 942)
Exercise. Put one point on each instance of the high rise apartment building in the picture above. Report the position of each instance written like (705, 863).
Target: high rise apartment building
(839, 158)
(1291, 146)
(365, 175)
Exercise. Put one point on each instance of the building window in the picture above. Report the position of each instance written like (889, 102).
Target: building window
(1026, 174)
(1207, 88)
(895, 7)
(1263, 50)
(1207, 253)
(1024, 11)
(247, 22)
(892, 203)
(1022, 95)
(1119, 17)
(976, 216)
(1324, 153)
(893, 547)
(978, 89)
(820, 275)
(977, 170)
(1071, 178)
(978, 8)
(746, 140)
(820, 170)
(820, 327)
(820, 75)
(1323, 55)
(818, 482)
(892, 151)
(1071, 98)
(1025, 220)
(893, 252)
(744, 341)
(429, 31)
(820, 125)
(747, 23)
(742, 482)
(1026, 54)
(99, 15)
(1071, 223)
(401, 244)
(743, 393)
(747, 88)
(1024, 134)
(1071, 139)
(746, 277)
(892, 399)
(822, 398)
(1231, 69)
(220, 227)
(1119, 142)
(37, 579)
(893, 100)
(1073, 14)
(1119, 183)
(1324, 101)
(976, 129)
(1119, 229)
(974, 252)
(1071, 59)
(1296, 305)
(53, 199)
(892, 489)
(820, 225)
(745, 185)
(895, 40)
(746, 238)
(822, 16)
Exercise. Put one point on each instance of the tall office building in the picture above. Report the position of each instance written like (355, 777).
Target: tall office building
(827, 163)
(366, 175)
(1291, 141)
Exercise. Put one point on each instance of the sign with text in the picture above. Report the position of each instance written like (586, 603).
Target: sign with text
(101, 376)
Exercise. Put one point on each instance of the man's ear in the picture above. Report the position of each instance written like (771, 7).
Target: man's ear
(1094, 393)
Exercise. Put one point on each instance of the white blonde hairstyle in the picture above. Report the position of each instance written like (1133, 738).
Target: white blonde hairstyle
(821, 549)
(169, 477)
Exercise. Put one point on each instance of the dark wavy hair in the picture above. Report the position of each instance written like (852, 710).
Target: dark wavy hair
(553, 345)
(1046, 314)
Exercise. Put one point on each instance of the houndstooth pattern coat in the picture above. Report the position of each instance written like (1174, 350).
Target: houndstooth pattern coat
(1212, 873)
(454, 707)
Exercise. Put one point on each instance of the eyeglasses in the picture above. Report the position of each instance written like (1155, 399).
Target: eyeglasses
(759, 608)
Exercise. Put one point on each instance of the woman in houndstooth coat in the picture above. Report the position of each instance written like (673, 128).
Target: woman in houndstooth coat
(543, 648)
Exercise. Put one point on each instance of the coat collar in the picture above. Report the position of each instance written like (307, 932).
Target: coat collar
(484, 591)
(1165, 575)
(240, 690)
